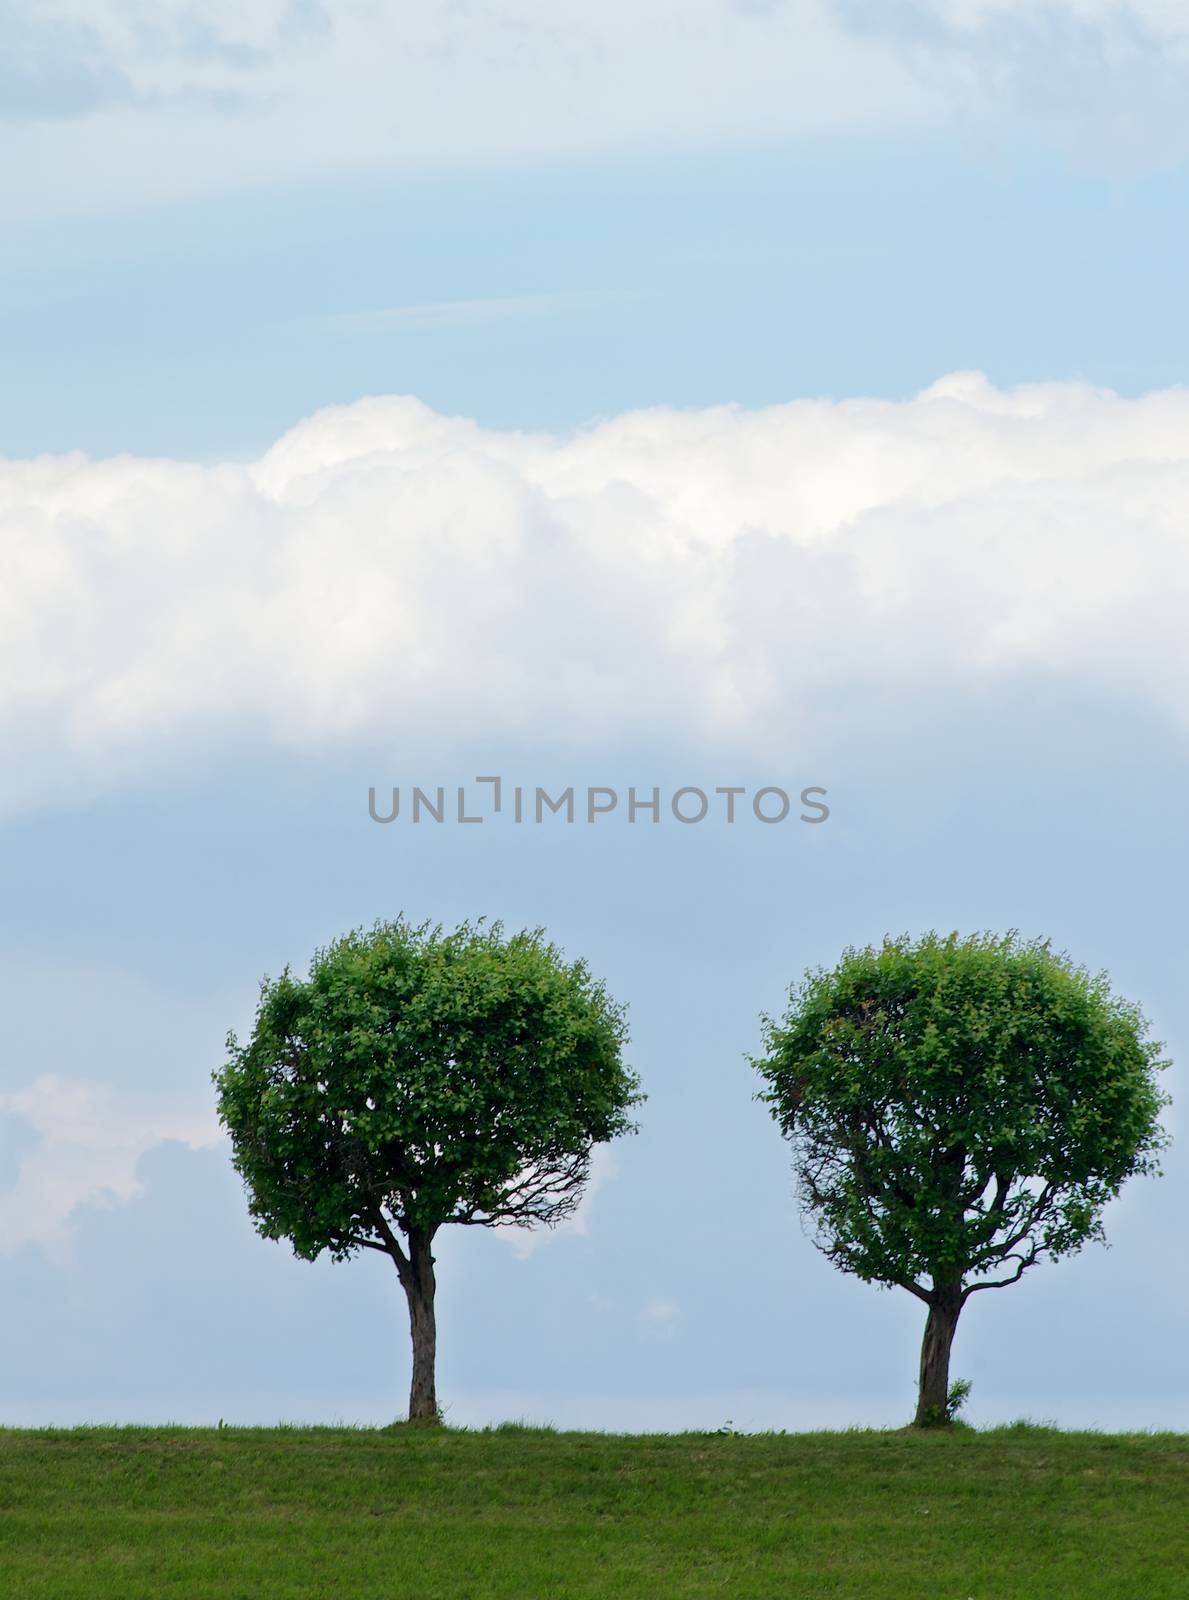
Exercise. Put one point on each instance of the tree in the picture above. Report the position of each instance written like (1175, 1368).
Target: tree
(959, 1109)
(418, 1078)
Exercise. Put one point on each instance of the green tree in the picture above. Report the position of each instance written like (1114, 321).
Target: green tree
(418, 1078)
(959, 1109)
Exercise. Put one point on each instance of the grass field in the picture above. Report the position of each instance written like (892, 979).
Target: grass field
(244, 1514)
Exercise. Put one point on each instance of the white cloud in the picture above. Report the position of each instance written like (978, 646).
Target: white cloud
(96, 1067)
(89, 1141)
(385, 572)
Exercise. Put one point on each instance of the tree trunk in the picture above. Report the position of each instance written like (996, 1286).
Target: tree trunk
(933, 1393)
(419, 1286)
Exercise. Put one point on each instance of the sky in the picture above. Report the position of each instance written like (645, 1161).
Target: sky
(761, 395)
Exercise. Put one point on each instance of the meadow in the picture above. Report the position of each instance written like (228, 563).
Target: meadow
(416, 1513)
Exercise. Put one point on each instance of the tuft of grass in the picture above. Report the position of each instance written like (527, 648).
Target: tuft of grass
(516, 1513)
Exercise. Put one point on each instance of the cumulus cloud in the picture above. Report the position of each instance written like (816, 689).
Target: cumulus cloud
(96, 1068)
(84, 1149)
(385, 572)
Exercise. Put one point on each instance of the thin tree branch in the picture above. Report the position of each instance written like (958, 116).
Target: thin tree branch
(1002, 1283)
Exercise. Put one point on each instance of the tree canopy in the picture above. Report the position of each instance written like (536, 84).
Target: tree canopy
(959, 1110)
(418, 1078)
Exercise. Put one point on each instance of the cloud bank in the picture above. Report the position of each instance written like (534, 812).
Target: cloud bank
(385, 572)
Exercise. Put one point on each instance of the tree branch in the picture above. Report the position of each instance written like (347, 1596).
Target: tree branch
(369, 1244)
(915, 1288)
(392, 1245)
(1024, 1262)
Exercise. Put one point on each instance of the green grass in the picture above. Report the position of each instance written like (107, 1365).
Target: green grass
(338, 1514)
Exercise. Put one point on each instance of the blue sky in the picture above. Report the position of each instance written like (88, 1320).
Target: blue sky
(544, 296)
(791, 395)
